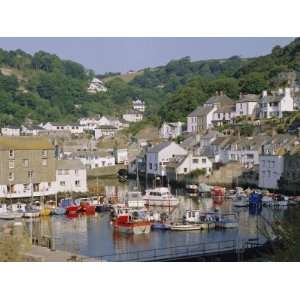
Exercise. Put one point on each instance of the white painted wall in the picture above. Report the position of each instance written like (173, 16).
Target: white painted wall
(10, 131)
(71, 180)
(270, 170)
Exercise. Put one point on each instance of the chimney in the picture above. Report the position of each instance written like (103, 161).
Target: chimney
(287, 91)
(280, 91)
(217, 93)
(265, 93)
(241, 95)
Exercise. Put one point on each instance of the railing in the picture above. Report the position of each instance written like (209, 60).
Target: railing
(184, 251)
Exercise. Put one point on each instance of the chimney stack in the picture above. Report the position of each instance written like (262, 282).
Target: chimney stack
(265, 93)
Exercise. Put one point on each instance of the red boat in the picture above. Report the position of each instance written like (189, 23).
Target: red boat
(126, 224)
(87, 209)
(218, 191)
(74, 209)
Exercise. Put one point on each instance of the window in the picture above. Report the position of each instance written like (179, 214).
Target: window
(203, 160)
(26, 187)
(185, 170)
(49, 184)
(11, 176)
(30, 173)
(59, 172)
(155, 167)
(11, 164)
(195, 160)
(25, 163)
(150, 166)
(36, 187)
(62, 183)
(44, 153)
(77, 183)
(11, 154)
(44, 162)
(76, 172)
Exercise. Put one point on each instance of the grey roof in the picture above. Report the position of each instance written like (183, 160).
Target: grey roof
(248, 98)
(69, 164)
(106, 127)
(34, 127)
(200, 111)
(226, 109)
(271, 98)
(160, 146)
(11, 127)
(222, 99)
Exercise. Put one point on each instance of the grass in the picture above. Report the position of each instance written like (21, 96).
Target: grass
(126, 77)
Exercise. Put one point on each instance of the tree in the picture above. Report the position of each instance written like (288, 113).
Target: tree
(254, 83)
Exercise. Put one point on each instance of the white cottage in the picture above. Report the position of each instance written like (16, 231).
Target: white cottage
(159, 155)
(133, 116)
(71, 176)
(10, 130)
(171, 130)
(247, 105)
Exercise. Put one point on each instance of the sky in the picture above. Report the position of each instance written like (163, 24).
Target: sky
(124, 54)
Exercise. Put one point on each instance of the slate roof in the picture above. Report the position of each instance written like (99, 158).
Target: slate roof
(222, 99)
(160, 146)
(226, 109)
(200, 111)
(248, 98)
(69, 164)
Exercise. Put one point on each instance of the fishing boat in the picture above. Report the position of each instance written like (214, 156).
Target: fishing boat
(280, 201)
(160, 197)
(87, 208)
(218, 191)
(134, 199)
(131, 225)
(71, 206)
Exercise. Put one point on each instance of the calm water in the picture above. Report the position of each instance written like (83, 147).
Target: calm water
(94, 235)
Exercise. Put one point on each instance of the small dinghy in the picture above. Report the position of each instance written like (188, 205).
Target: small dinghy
(32, 213)
(185, 227)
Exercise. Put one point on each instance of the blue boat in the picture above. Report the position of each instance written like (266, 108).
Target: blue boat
(160, 226)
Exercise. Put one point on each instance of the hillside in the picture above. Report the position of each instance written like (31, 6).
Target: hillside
(43, 87)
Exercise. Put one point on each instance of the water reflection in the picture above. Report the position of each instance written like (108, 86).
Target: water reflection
(94, 235)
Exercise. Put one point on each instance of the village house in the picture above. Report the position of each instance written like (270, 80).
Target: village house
(96, 85)
(246, 105)
(96, 160)
(105, 131)
(10, 130)
(27, 167)
(202, 117)
(275, 104)
(139, 105)
(32, 130)
(270, 170)
(75, 129)
(224, 115)
(159, 155)
(171, 130)
(71, 176)
(121, 155)
(183, 165)
(133, 116)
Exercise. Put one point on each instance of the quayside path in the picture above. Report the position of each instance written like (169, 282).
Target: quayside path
(187, 252)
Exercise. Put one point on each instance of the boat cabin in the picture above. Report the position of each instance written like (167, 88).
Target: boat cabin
(3, 208)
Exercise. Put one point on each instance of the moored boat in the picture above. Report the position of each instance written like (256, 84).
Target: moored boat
(58, 211)
(227, 221)
(185, 227)
(32, 213)
(160, 226)
(128, 224)
(134, 199)
(160, 197)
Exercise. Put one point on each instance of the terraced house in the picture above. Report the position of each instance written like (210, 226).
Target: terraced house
(27, 167)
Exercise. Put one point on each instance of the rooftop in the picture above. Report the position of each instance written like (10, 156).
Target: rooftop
(248, 98)
(69, 164)
(221, 99)
(200, 111)
(25, 143)
(160, 146)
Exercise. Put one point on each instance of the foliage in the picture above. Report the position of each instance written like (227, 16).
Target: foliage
(198, 172)
(247, 130)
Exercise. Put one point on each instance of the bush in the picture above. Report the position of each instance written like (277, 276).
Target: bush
(198, 172)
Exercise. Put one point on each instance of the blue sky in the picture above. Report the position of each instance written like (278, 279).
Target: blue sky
(124, 54)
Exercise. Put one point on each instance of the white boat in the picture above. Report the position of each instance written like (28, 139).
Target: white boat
(134, 199)
(241, 201)
(185, 227)
(267, 200)
(32, 213)
(3, 208)
(160, 197)
(227, 221)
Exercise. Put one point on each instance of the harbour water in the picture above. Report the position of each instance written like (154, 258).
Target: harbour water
(94, 235)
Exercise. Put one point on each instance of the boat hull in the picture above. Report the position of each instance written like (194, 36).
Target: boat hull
(185, 227)
(162, 203)
(135, 227)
